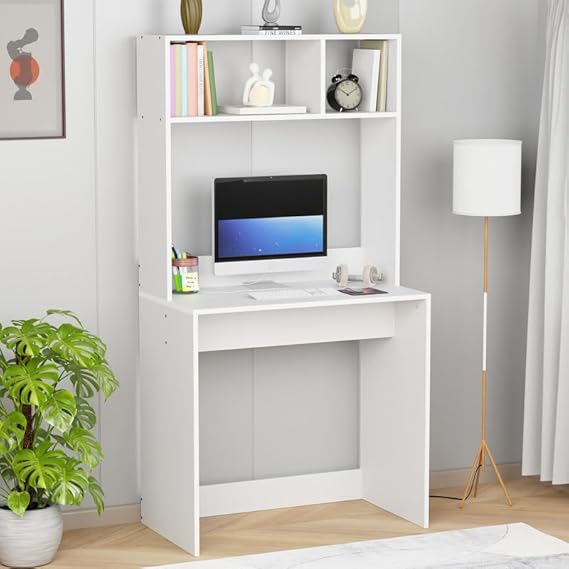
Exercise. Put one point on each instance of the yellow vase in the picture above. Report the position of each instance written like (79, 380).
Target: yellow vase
(191, 12)
(350, 15)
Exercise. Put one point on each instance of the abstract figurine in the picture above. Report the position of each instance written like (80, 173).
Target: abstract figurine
(24, 69)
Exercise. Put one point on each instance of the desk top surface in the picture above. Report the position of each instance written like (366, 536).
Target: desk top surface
(224, 300)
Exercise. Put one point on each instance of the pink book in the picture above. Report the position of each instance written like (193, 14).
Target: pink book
(172, 80)
(193, 79)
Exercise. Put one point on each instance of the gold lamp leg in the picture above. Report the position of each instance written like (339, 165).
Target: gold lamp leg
(483, 450)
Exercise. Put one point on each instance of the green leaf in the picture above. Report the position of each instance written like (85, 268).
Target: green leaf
(106, 379)
(60, 410)
(78, 346)
(26, 337)
(70, 487)
(18, 502)
(86, 418)
(12, 430)
(29, 384)
(85, 445)
(84, 381)
(7, 472)
(97, 494)
(39, 468)
(67, 313)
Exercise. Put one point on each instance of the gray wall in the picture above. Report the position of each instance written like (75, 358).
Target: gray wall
(71, 203)
(471, 69)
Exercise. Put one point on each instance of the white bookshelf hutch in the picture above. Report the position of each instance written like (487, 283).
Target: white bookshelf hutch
(177, 161)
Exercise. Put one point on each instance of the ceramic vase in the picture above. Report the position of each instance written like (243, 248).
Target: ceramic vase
(32, 540)
(191, 12)
(350, 15)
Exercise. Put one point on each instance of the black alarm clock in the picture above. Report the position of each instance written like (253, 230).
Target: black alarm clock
(345, 93)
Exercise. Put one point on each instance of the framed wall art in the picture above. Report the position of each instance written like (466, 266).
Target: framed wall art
(32, 70)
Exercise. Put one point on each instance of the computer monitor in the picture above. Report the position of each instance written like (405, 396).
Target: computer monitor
(269, 224)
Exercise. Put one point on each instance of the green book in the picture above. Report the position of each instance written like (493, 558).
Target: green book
(214, 107)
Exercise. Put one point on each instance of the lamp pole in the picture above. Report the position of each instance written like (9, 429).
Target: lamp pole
(484, 449)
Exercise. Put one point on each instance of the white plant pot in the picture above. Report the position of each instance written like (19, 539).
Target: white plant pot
(30, 541)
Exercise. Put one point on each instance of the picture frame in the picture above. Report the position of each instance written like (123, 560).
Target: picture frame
(32, 69)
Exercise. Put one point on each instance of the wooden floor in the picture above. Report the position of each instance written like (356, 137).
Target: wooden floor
(129, 546)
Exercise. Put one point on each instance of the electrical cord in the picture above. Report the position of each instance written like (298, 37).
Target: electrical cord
(469, 490)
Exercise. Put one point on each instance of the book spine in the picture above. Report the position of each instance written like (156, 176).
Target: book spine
(178, 80)
(184, 79)
(172, 80)
(383, 71)
(213, 88)
(192, 79)
(207, 86)
(201, 81)
(272, 33)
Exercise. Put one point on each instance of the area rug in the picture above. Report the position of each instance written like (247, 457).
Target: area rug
(513, 546)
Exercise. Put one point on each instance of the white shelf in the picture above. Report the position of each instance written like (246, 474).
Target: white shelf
(226, 118)
(302, 37)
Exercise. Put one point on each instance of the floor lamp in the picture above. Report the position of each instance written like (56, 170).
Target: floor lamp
(487, 183)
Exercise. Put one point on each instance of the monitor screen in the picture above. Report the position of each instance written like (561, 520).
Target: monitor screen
(270, 218)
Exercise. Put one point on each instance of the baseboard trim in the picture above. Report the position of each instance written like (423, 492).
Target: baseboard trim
(112, 516)
(344, 485)
(459, 477)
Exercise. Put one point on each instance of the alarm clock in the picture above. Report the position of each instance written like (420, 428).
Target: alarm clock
(345, 93)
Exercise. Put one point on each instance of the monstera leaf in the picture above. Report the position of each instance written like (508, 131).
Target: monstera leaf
(85, 445)
(71, 484)
(12, 430)
(66, 313)
(97, 494)
(90, 380)
(60, 409)
(27, 337)
(39, 468)
(30, 383)
(18, 502)
(86, 417)
(78, 346)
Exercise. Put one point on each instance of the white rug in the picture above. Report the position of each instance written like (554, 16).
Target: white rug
(514, 546)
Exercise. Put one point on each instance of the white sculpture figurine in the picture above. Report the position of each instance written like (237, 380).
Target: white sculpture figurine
(259, 90)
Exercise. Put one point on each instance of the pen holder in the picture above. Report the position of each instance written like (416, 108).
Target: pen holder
(185, 275)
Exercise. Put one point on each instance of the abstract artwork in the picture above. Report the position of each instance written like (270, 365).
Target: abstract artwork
(32, 79)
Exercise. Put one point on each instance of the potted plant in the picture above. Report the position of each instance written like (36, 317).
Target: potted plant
(50, 369)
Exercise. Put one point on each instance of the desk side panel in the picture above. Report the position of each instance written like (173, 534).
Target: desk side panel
(395, 416)
(310, 325)
(169, 424)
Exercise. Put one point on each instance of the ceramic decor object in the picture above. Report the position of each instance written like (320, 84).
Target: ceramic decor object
(191, 12)
(350, 15)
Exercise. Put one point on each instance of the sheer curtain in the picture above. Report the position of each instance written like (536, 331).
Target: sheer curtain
(546, 415)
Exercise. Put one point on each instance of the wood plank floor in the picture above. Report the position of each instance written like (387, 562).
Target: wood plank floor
(132, 546)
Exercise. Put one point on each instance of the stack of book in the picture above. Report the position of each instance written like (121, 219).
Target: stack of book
(192, 81)
(271, 30)
(370, 65)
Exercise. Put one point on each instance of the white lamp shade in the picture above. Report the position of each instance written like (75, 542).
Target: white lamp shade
(487, 177)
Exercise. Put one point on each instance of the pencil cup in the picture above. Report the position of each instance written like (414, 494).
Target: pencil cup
(185, 275)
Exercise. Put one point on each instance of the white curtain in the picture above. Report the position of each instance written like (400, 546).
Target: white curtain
(546, 415)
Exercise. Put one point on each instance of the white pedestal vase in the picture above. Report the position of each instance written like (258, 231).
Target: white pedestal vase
(30, 541)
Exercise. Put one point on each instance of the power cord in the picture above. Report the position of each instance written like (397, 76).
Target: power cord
(469, 490)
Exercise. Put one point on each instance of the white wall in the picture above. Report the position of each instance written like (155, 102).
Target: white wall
(471, 69)
(70, 203)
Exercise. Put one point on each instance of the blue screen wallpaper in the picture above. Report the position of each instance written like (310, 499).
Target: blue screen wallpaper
(267, 236)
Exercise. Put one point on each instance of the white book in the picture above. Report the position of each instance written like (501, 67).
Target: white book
(201, 81)
(365, 64)
(274, 110)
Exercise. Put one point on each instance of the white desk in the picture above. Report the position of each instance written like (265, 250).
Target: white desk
(394, 335)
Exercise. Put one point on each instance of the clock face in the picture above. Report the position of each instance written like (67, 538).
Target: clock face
(348, 94)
